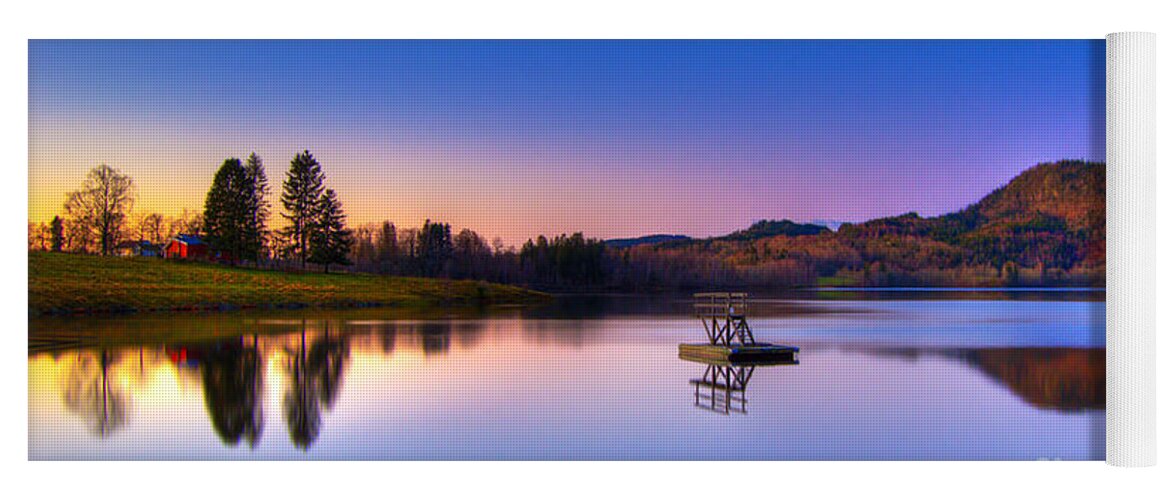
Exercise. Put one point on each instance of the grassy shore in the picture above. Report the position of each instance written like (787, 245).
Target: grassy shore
(69, 284)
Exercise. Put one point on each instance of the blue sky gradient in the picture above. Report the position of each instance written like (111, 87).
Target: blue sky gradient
(616, 138)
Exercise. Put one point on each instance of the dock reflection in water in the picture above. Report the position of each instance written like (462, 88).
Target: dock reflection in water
(723, 387)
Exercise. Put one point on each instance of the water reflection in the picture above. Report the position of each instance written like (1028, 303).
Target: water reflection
(233, 385)
(436, 337)
(314, 363)
(1064, 379)
(723, 387)
(361, 385)
(90, 393)
(314, 381)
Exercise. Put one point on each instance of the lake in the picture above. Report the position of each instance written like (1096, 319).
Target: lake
(898, 374)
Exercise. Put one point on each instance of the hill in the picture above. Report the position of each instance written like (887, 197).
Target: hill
(646, 240)
(760, 229)
(1051, 216)
(1046, 227)
(767, 228)
(68, 283)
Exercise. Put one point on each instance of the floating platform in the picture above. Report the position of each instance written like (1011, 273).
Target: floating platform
(757, 354)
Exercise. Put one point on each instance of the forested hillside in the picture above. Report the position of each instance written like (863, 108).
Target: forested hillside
(1045, 227)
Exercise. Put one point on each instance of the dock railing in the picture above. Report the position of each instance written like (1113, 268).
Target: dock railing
(725, 317)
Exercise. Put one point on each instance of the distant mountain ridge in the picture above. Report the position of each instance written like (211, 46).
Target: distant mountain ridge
(832, 225)
(1052, 215)
(760, 229)
(1047, 226)
(769, 228)
(645, 240)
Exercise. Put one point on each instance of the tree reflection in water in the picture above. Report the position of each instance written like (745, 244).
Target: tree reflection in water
(386, 338)
(88, 392)
(1062, 379)
(233, 386)
(314, 380)
(436, 337)
(1067, 379)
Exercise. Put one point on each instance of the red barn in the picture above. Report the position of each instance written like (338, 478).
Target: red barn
(186, 246)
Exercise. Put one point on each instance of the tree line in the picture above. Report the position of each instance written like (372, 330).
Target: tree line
(1045, 227)
(234, 221)
(432, 251)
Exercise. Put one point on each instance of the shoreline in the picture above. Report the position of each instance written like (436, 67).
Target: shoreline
(64, 285)
(86, 285)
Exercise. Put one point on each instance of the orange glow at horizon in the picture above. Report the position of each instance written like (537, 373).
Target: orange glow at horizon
(495, 191)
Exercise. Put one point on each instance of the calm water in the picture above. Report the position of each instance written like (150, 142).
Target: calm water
(897, 375)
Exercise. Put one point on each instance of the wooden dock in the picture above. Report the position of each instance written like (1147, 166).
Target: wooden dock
(731, 354)
(729, 338)
(756, 354)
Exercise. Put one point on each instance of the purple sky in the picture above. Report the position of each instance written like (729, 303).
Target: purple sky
(613, 138)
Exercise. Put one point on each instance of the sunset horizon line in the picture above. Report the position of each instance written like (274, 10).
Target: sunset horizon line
(830, 222)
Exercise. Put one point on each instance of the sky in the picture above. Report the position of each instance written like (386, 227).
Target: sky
(612, 138)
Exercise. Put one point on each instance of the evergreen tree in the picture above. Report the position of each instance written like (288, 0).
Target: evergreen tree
(225, 211)
(434, 248)
(331, 240)
(257, 208)
(57, 234)
(301, 199)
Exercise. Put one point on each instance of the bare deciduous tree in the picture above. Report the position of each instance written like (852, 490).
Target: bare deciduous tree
(101, 205)
(152, 227)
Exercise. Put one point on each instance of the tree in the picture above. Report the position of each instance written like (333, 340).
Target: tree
(187, 222)
(408, 251)
(57, 234)
(78, 238)
(433, 248)
(468, 244)
(256, 208)
(151, 227)
(331, 239)
(386, 248)
(235, 212)
(39, 236)
(301, 199)
(471, 254)
(101, 205)
(225, 217)
(362, 253)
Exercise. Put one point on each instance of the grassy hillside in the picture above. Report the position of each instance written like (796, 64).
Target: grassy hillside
(66, 283)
